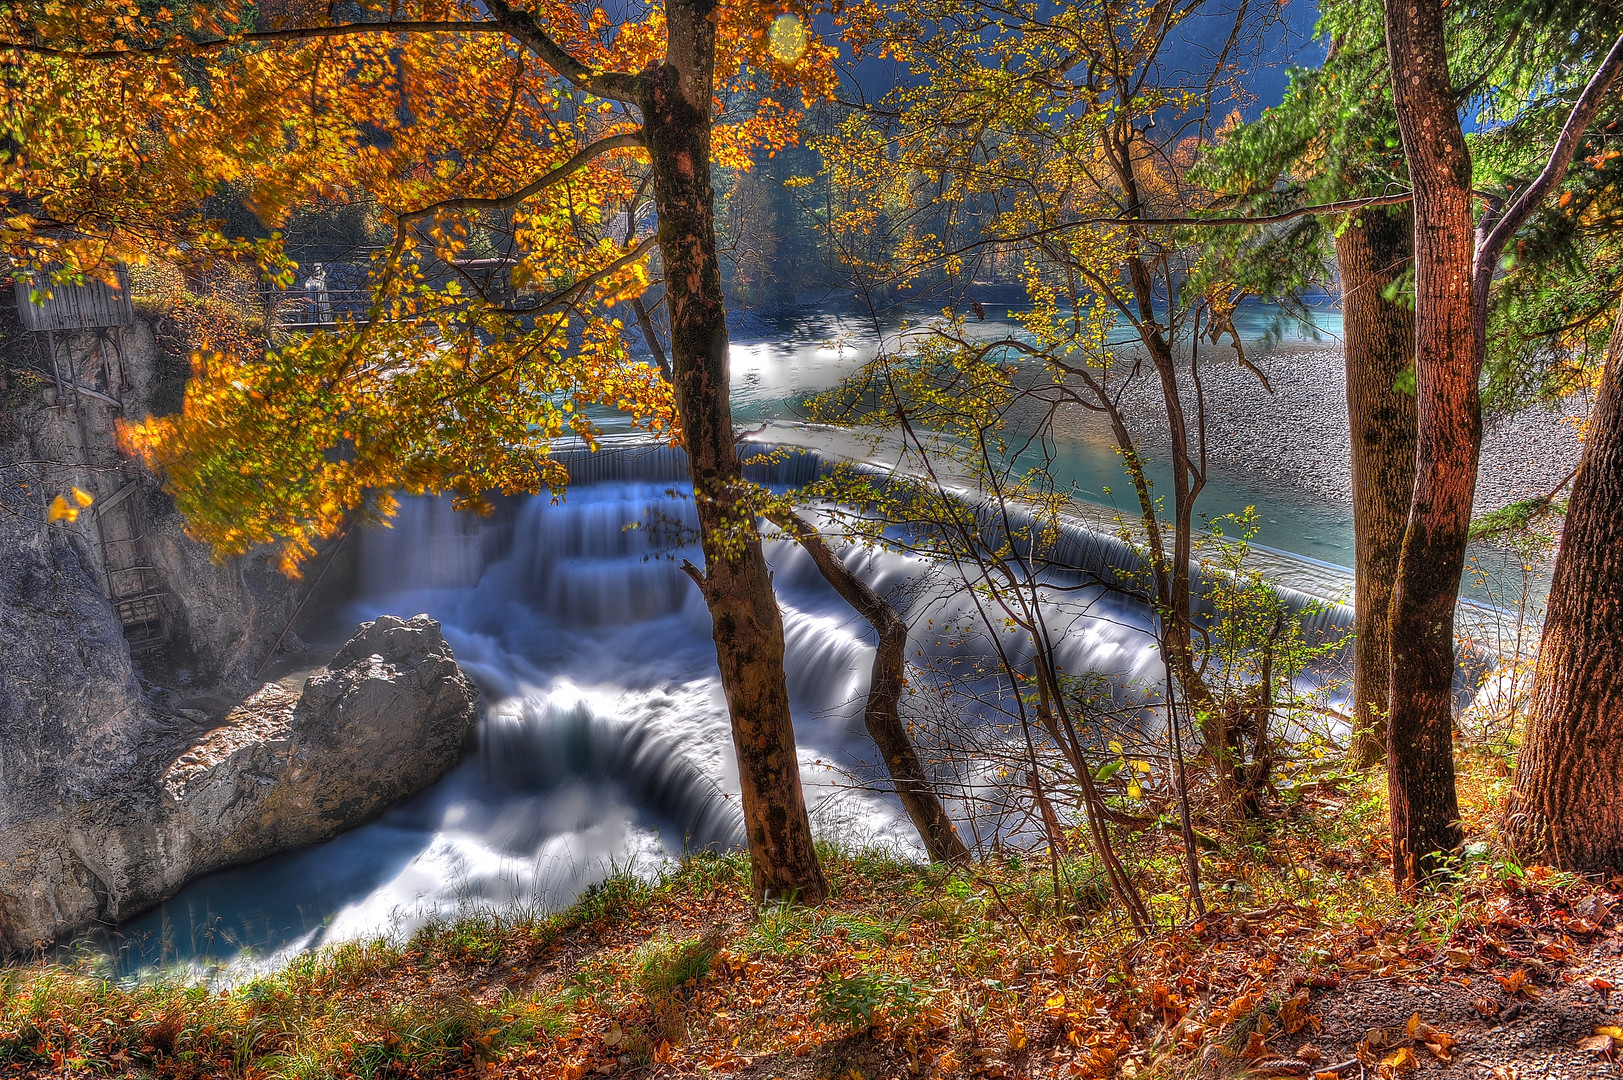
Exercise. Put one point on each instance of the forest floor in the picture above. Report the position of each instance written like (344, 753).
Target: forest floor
(1306, 964)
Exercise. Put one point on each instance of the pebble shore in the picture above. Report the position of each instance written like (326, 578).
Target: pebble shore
(1297, 435)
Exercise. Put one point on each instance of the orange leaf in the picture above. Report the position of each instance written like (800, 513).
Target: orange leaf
(1400, 1060)
(1293, 1013)
(1512, 982)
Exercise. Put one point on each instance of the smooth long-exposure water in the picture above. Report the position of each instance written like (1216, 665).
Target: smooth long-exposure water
(604, 740)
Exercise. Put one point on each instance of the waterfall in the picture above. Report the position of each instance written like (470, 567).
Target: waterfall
(604, 740)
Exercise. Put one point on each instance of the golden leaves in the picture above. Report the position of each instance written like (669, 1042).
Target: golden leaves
(788, 38)
(1400, 1060)
(67, 507)
(1516, 983)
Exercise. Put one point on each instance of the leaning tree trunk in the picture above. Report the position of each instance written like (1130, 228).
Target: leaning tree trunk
(745, 620)
(1568, 800)
(1373, 252)
(882, 713)
(1448, 350)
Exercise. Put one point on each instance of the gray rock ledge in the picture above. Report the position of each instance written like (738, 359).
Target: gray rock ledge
(389, 715)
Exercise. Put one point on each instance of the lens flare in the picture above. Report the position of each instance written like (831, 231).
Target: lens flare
(787, 40)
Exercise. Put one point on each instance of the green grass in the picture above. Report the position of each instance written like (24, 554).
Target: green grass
(858, 1001)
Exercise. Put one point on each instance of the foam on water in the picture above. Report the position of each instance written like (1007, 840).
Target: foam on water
(604, 740)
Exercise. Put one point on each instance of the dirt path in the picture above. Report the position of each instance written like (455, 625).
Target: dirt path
(1520, 1000)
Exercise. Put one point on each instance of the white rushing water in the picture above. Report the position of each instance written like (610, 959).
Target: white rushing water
(604, 741)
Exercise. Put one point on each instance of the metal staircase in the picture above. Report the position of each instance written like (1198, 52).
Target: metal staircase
(93, 385)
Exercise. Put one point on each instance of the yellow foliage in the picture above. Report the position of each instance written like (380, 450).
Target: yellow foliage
(61, 510)
(468, 143)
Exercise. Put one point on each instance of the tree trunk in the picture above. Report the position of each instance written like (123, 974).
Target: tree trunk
(1373, 252)
(882, 713)
(1568, 800)
(737, 586)
(1448, 351)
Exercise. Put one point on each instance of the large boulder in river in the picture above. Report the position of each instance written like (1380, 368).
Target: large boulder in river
(389, 715)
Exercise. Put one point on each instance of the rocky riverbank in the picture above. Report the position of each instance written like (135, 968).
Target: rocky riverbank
(1295, 435)
(106, 813)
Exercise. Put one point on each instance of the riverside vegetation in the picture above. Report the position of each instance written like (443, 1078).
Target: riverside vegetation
(1206, 871)
(1307, 964)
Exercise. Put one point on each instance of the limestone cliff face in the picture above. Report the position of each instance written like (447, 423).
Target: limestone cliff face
(72, 720)
(223, 616)
(99, 836)
(122, 778)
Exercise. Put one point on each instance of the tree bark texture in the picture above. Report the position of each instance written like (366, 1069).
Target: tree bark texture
(1448, 352)
(746, 623)
(882, 712)
(1568, 799)
(1373, 251)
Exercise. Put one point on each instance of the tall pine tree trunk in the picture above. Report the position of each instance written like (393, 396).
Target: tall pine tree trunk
(1568, 799)
(1448, 350)
(745, 620)
(1373, 252)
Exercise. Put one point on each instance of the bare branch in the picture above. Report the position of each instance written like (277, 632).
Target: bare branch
(1343, 206)
(519, 25)
(1572, 133)
(624, 141)
(618, 85)
(186, 47)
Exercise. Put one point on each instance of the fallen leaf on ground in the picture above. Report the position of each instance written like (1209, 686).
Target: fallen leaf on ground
(1516, 983)
(1293, 1013)
(1439, 1042)
(1256, 1048)
(1400, 1060)
(1309, 1053)
(1604, 1045)
(1458, 958)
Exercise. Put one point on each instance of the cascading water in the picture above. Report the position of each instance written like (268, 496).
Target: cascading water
(604, 739)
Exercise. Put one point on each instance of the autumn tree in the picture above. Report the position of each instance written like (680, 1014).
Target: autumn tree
(1064, 145)
(1332, 139)
(487, 135)
(1457, 254)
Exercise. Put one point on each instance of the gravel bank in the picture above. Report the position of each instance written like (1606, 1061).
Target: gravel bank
(1297, 437)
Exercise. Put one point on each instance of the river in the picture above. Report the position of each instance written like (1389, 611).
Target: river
(604, 740)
